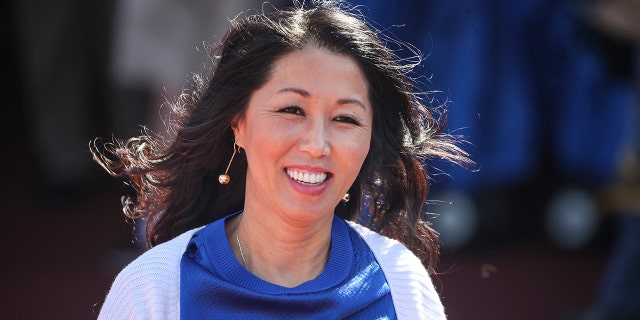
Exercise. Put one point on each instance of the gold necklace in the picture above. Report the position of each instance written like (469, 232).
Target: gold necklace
(244, 262)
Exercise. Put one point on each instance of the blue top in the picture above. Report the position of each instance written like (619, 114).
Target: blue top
(214, 285)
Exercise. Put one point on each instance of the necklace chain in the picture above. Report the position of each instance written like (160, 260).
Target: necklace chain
(244, 262)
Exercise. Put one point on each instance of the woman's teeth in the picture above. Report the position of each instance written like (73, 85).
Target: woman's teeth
(306, 177)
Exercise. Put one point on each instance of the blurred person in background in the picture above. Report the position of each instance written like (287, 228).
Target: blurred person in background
(534, 87)
(157, 45)
(619, 294)
(64, 46)
(96, 68)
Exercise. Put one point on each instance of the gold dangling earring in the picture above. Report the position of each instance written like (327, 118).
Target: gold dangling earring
(225, 178)
(346, 197)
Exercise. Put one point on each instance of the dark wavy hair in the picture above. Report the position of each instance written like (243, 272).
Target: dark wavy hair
(176, 182)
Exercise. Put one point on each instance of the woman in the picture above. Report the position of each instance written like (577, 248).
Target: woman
(305, 118)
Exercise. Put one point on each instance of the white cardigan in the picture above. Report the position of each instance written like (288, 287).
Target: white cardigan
(149, 287)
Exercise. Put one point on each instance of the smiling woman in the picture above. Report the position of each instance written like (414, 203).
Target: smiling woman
(308, 118)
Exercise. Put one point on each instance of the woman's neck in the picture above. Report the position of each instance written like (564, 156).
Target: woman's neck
(281, 252)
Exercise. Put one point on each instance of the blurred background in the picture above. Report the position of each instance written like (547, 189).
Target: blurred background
(545, 226)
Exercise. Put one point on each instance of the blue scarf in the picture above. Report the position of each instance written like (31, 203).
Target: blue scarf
(214, 285)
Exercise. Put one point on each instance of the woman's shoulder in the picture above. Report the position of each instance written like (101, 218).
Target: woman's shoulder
(163, 258)
(150, 284)
(388, 250)
(412, 291)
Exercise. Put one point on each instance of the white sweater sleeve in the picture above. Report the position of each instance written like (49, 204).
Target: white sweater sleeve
(412, 292)
(149, 287)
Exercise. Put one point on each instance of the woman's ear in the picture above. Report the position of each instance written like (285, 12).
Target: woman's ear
(237, 125)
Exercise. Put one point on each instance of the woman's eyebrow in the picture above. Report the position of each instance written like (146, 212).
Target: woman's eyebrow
(299, 91)
(305, 94)
(352, 101)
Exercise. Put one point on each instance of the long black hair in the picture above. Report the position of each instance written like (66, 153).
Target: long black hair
(176, 184)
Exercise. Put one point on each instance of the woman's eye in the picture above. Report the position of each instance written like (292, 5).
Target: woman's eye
(291, 110)
(347, 119)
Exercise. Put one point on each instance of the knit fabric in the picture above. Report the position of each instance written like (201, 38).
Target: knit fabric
(214, 285)
(149, 287)
(412, 291)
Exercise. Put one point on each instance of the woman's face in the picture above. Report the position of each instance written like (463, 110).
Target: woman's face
(306, 133)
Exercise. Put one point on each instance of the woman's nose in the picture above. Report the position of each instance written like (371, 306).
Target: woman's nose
(315, 141)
